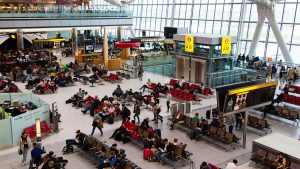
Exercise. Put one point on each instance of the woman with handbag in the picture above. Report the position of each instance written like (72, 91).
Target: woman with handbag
(157, 110)
(24, 145)
(97, 123)
(137, 111)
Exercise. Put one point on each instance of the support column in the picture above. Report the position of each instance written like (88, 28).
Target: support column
(245, 129)
(119, 33)
(241, 28)
(20, 40)
(258, 29)
(278, 36)
(132, 32)
(105, 48)
(74, 41)
(125, 53)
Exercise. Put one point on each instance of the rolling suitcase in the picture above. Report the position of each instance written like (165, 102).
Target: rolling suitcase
(147, 153)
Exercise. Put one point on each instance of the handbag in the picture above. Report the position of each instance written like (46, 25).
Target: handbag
(20, 152)
(100, 123)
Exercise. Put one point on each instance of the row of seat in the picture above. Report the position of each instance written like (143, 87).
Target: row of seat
(181, 95)
(294, 89)
(261, 125)
(191, 87)
(31, 130)
(140, 141)
(216, 133)
(266, 158)
(291, 99)
(113, 78)
(98, 150)
(286, 113)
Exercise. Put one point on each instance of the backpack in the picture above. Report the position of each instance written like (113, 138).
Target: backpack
(192, 134)
(67, 149)
(110, 120)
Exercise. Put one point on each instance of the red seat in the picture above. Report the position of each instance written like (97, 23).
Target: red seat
(44, 127)
(297, 89)
(212, 166)
(173, 82)
(186, 85)
(291, 99)
(297, 101)
(285, 97)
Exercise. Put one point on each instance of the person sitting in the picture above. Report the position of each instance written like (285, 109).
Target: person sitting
(41, 86)
(114, 147)
(121, 163)
(59, 161)
(204, 165)
(79, 138)
(147, 85)
(180, 83)
(93, 105)
(145, 124)
(161, 149)
(232, 165)
(126, 130)
(109, 162)
(280, 162)
(196, 117)
(36, 154)
(117, 92)
(81, 100)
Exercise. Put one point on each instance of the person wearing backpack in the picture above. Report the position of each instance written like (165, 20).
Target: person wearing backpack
(137, 111)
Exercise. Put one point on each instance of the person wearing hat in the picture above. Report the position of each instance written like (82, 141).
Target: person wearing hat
(77, 141)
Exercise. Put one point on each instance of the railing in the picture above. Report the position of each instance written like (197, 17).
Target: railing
(81, 14)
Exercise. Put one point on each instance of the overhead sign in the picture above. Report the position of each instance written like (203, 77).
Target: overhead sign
(241, 98)
(226, 45)
(189, 44)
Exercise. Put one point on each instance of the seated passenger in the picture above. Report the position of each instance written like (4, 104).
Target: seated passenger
(147, 85)
(118, 91)
(79, 138)
(280, 162)
(93, 105)
(109, 162)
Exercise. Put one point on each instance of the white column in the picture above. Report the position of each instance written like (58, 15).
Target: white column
(132, 31)
(173, 13)
(258, 29)
(279, 37)
(20, 40)
(105, 48)
(241, 27)
(74, 41)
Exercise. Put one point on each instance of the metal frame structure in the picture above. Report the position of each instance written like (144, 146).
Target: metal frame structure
(220, 17)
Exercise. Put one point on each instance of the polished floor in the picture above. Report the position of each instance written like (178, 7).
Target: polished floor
(73, 119)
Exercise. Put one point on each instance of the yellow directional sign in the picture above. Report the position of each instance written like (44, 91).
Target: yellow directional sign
(226, 45)
(189, 44)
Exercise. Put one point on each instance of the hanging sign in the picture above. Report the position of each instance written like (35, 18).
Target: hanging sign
(226, 45)
(189, 44)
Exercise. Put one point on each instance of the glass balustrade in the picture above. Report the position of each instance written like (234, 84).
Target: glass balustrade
(67, 14)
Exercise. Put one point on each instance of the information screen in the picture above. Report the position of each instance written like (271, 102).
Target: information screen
(241, 98)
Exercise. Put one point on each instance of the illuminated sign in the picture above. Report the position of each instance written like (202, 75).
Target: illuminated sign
(189, 44)
(226, 45)
(241, 98)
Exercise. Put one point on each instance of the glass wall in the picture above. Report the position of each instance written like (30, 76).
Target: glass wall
(220, 17)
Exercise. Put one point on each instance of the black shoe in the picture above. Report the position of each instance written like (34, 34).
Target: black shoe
(101, 134)
(171, 129)
(111, 137)
(153, 120)
(84, 112)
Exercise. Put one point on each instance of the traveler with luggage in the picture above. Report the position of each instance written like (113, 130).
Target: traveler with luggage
(24, 146)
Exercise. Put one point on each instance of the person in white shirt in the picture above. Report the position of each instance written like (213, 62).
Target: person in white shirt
(180, 82)
(232, 165)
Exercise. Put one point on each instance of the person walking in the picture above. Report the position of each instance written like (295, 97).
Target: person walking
(25, 145)
(156, 111)
(97, 123)
(137, 111)
(168, 101)
(230, 120)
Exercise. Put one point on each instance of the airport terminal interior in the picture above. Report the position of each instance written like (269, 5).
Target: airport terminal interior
(145, 84)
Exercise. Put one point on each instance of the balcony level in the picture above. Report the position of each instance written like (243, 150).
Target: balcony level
(65, 19)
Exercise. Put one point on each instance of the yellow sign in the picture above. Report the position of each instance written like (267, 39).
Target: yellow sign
(226, 45)
(247, 89)
(189, 44)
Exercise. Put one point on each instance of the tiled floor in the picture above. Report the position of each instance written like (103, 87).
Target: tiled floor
(73, 119)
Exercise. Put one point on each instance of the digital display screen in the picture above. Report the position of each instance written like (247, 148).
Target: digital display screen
(237, 99)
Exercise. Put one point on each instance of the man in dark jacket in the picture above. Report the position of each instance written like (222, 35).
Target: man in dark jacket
(125, 112)
(93, 105)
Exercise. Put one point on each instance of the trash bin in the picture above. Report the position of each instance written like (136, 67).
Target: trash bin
(182, 108)
(188, 107)
(174, 108)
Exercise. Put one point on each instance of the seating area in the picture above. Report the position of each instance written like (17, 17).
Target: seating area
(113, 78)
(292, 99)
(285, 112)
(98, 150)
(142, 137)
(294, 89)
(265, 158)
(261, 125)
(6, 86)
(31, 130)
